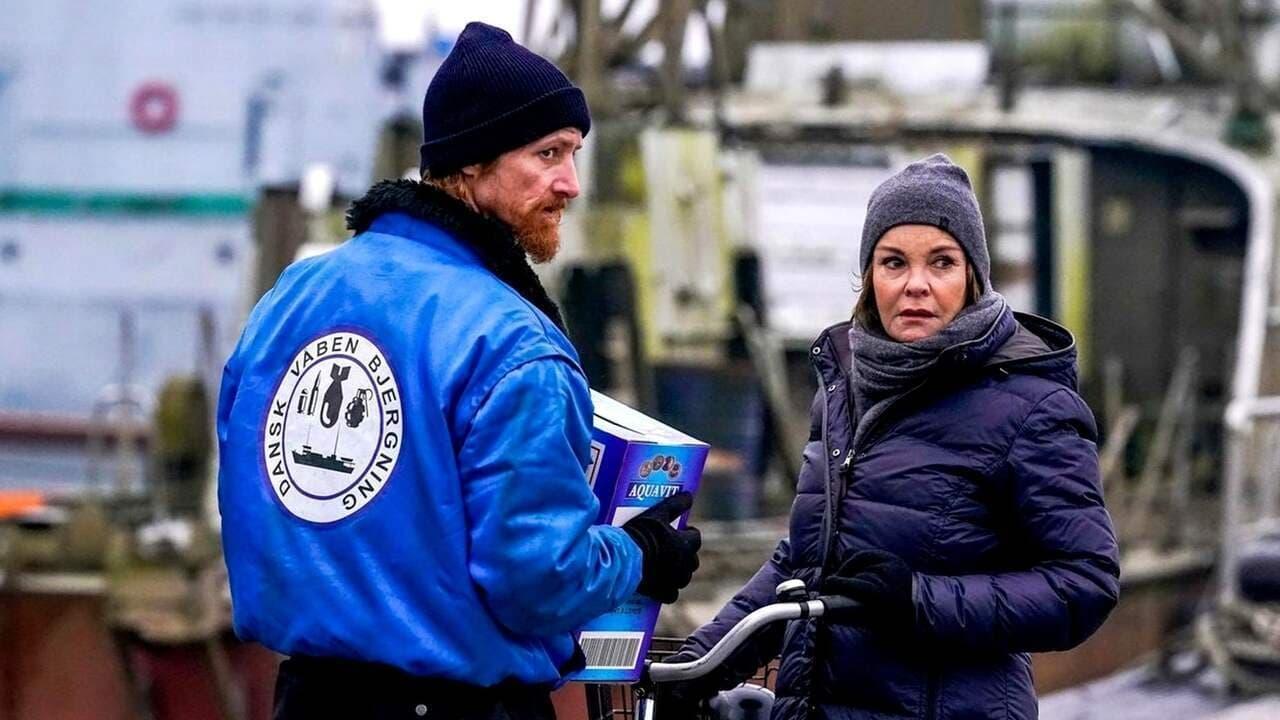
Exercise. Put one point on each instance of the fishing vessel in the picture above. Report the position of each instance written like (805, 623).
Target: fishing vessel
(324, 462)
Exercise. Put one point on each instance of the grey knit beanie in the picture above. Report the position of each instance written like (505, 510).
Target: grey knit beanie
(933, 191)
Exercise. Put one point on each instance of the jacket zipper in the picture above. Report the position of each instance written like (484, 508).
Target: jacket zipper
(828, 513)
(833, 500)
(827, 519)
(931, 687)
(846, 467)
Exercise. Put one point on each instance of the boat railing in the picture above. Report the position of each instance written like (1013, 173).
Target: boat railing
(1251, 495)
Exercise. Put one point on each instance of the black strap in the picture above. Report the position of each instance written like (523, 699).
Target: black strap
(392, 681)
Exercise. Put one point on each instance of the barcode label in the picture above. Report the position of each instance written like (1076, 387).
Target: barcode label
(611, 650)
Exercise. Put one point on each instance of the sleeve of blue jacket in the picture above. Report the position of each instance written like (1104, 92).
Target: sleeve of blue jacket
(1072, 581)
(542, 564)
(227, 395)
(758, 592)
(231, 372)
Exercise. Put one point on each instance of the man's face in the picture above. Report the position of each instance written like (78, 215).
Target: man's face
(529, 188)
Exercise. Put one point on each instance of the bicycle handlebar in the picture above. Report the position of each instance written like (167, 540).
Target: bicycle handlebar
(739, 633)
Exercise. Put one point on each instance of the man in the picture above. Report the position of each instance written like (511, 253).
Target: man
(404, 429)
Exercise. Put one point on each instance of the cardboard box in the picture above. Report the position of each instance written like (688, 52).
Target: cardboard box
(636, 461)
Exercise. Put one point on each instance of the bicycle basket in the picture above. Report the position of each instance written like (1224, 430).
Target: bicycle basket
(618, 702)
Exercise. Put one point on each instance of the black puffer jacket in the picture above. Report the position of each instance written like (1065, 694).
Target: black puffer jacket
(985, 481)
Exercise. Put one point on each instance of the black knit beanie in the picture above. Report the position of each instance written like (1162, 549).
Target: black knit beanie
(933, 191)
(492, 95)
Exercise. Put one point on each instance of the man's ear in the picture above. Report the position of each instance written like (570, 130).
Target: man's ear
(472, 171)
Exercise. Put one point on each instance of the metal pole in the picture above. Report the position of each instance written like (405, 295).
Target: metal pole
(1238, 431)
(1009, 59)
(124, 434)
(1270, 464)
(1257, 292)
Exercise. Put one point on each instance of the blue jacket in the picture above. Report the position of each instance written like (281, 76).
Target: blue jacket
(985, 481)
(403, 439)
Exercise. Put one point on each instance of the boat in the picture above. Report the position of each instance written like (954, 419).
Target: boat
(324, 462)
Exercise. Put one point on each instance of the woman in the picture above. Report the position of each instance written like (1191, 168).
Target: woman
(950, 486)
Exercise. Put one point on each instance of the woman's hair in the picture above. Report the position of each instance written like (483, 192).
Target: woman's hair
(867, 315)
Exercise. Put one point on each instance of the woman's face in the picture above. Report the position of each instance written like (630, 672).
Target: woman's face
(918, 273)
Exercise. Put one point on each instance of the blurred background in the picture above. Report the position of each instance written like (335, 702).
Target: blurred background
(162, 160)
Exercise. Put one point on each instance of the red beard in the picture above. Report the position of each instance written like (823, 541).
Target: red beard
(539, 234)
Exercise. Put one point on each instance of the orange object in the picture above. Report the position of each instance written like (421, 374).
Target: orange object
(16, 503)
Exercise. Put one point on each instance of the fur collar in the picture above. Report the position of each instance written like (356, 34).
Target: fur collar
(490, 239)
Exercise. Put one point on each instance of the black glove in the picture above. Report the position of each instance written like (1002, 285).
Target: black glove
(687, 699)
(880, 582)
(670, 555)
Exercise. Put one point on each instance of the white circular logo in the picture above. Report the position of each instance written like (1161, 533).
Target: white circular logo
(333, 429)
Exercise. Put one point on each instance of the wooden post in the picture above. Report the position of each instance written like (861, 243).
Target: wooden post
(1177, 530)
(1111, 462)
(674, 18)
(1161, 450)
(590, 72)
(279, 228)
(719, 62)
(398, 144)
(768, 358)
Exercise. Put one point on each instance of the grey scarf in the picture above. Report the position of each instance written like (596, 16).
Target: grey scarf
(884, 369)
